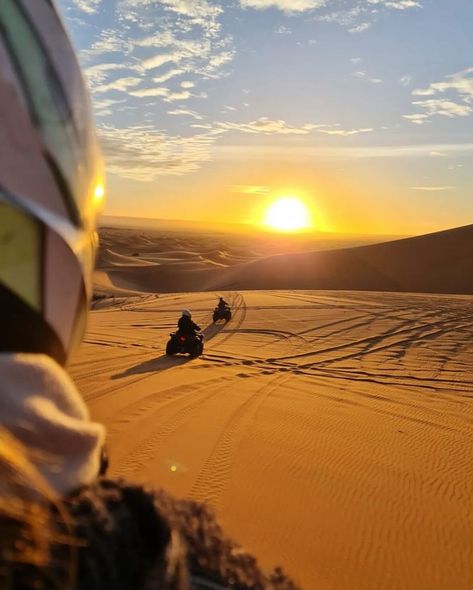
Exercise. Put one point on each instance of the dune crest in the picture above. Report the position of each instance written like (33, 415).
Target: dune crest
(155, 263)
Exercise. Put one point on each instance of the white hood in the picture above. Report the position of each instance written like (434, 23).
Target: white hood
(41, 407)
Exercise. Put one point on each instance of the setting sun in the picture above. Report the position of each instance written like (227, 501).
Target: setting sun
(288, 214)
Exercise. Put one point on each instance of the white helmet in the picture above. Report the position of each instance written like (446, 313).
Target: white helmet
(51, 183)
(187, 313)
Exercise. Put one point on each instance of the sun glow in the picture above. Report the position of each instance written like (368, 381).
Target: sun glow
(288, 214)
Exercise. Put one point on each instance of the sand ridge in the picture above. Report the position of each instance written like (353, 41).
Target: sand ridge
(331, 431)
(141, 261)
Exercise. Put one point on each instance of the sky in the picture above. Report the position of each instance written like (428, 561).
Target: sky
(210, 110)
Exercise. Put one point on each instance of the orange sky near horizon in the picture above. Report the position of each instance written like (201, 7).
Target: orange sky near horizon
(210, 110)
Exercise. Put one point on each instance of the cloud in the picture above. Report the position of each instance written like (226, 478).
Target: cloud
(456, 100)
(268, 126)
(397, 4)
(358, 16)
(98, 73)
(460, 84)
(102, 107)
(185, 112)
(249, 189)
(431, 188)
(120, 84)
(417, 118)
(282, 30)
(443, 108)
(364, 76)
(147, 92)
(168, 75)
(284, 5)
(187, 84)
(87, 6)
(186, 37)
(143, 153)
(405, 80)
(159, 60)
(360, 28)
(345, 132)
(299, 153)
(175, 96)
(109, 41)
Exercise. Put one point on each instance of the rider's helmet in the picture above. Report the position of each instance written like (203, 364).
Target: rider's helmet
(51, 184)
(187, 313)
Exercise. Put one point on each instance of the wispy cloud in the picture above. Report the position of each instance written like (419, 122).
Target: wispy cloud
(364, 76)
(120, 84)
(460, 83)
(345, 132)
(397, 4)
(87, 6)
(147, 92)
(186, 38)
(186, 112)
(169, 75)
(283, 30)
(267, 126)
(98, 73)
(405, 80)
(284, 5)
(417, 118)
(431, 188)
(456, 101)
(308, 153)
(358, 16)
(444, 108)
(360, 27)
(143, 153)
(249, 189)
(159, 60)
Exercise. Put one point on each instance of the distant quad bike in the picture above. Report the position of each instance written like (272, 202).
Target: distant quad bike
(184, 344)
(222, 313)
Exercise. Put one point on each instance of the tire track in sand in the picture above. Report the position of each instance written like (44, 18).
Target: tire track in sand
(146, 450)
(210, 483)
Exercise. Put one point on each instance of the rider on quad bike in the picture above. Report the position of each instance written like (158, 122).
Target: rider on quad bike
(222, 304)
(185, 324)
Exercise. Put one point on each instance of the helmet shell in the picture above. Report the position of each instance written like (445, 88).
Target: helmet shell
(51, 181)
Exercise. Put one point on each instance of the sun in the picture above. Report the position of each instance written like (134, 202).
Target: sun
(288, 214)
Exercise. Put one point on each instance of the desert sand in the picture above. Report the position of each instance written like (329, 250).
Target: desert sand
(330, 430)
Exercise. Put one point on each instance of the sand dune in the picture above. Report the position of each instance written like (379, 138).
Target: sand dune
(435, 263)
(330, 431)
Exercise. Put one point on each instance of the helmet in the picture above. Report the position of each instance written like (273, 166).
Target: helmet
(187, 313)
(51, 184)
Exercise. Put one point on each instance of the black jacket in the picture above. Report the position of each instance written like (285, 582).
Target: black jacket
(186, 326)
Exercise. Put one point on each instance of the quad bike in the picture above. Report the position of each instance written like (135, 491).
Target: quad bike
(222, 313)
(193, 345)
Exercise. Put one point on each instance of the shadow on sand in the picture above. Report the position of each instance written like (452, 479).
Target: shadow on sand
(164, 362)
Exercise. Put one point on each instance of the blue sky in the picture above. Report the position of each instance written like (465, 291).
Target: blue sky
(362, 107)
